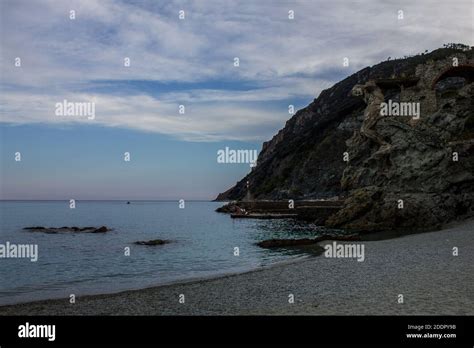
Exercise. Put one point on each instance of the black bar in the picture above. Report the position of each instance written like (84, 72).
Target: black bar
(258, 330)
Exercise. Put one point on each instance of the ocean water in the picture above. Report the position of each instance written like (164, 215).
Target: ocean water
(85, 263)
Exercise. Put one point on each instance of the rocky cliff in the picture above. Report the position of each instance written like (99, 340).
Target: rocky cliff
(397, 170)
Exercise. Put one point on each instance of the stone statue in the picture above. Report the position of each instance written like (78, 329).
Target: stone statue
(373, 97)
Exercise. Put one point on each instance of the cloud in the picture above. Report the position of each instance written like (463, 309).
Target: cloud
(280, 59)
(222, 121)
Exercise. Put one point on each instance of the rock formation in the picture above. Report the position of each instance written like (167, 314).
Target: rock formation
(43, 229)
(152, 242)
(402, 172)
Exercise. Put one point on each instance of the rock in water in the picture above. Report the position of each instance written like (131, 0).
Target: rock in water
(153, 242)
(280, 243)
(101, 229)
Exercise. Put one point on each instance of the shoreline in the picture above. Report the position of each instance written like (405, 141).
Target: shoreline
(435, 283)
(185, 281)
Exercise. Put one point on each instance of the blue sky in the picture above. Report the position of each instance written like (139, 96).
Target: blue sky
(83, 162)
(180, 62)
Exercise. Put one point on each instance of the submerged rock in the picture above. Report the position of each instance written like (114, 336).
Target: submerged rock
(281, 243)
(153, 242)
(101, 229)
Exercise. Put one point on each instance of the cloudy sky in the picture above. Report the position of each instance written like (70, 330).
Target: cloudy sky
(174, 62)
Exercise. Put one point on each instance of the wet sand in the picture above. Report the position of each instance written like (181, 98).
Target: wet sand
(421, 267)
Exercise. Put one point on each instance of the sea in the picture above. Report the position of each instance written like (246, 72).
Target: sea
(203, 244)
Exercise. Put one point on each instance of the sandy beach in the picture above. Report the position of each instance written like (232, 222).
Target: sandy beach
(421, 267)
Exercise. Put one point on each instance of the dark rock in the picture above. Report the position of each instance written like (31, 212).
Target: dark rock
(101, 230)
(153, 242)
(317, 216)
(68, 229)
(280, 243)
(229, 208)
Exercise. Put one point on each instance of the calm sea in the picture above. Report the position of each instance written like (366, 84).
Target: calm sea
(84, 263)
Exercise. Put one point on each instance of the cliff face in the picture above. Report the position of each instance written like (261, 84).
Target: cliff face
(304, 160)
(400, 171)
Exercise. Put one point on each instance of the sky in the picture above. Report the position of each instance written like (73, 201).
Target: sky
(177, 61)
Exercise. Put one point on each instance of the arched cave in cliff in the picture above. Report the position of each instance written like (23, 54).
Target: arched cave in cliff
(454, 78)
